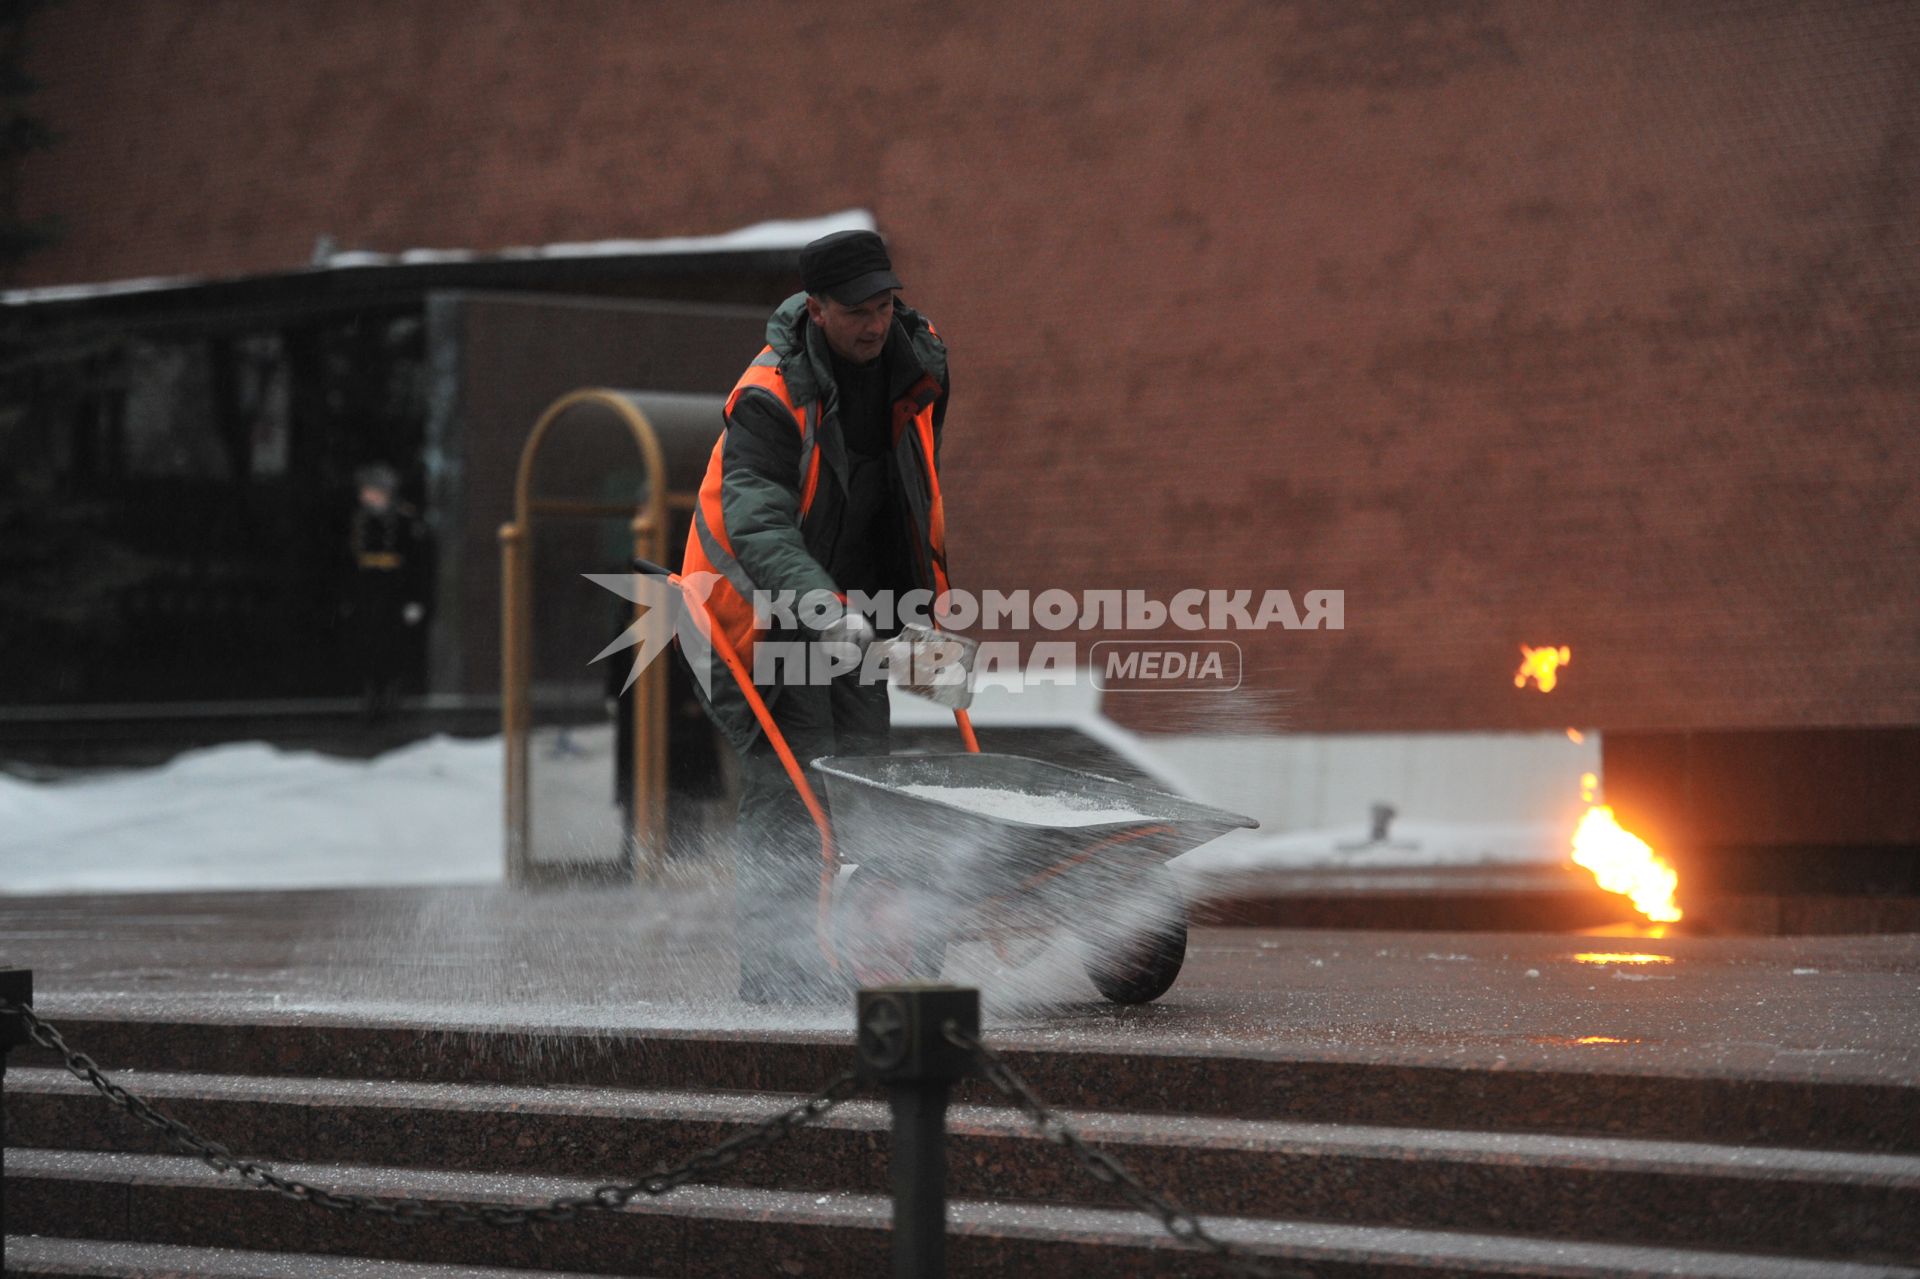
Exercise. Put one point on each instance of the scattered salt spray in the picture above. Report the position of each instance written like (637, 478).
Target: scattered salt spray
(1019, 806)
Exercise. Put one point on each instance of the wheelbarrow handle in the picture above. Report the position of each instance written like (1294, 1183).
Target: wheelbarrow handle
(650, 568)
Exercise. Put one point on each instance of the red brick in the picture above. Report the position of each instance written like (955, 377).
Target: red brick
(1582, 324)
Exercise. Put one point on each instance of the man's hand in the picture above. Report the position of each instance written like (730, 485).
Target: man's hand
(849, 628)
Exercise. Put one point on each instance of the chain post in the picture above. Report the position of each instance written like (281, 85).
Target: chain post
(16, 992)
(906, 1044)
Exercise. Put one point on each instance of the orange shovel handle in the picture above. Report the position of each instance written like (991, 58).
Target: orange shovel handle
(965, 723)
(829, 861)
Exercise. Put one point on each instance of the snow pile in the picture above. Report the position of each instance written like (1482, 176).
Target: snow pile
(251, 816)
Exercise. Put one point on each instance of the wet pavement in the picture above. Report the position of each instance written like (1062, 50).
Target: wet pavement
(1827, 1009)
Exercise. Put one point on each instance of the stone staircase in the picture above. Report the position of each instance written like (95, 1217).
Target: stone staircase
(1335, 1167)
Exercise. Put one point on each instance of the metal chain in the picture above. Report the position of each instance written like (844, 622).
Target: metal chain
(608, 1198)
(1107, 1170)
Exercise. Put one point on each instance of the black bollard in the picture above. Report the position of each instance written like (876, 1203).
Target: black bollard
(903, 1044)
(16, 990)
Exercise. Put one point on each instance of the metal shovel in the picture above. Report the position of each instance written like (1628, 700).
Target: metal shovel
(933, 664)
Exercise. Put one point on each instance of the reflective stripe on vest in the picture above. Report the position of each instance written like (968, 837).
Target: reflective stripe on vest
(764, 374)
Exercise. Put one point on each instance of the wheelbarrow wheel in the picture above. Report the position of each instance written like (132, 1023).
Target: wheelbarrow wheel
(1141, 965)
(879, 934)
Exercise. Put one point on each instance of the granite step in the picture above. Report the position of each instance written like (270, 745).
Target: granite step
(704, 1231)
(101, 1259)
(1200, 1080)
(1622, 1190)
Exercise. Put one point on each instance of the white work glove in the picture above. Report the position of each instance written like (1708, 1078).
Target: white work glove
(413, 612)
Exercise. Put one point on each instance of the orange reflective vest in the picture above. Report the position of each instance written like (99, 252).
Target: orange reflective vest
(710, 549)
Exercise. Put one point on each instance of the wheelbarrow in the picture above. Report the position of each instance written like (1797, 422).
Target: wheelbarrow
(940, 848)
(1017, 852)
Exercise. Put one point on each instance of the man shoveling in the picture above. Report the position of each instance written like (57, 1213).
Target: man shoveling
(824, 487)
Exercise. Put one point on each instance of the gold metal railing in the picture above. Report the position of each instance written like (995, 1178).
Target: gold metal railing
(648, 525)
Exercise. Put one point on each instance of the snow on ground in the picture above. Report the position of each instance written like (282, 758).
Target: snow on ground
(250, 816)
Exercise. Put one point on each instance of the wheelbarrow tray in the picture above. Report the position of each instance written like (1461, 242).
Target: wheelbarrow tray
(957, 846)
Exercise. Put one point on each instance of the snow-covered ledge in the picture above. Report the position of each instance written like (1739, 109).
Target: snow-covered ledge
(761, 237)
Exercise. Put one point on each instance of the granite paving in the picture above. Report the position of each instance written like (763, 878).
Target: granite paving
(1371, 1103)
(1812, 1009)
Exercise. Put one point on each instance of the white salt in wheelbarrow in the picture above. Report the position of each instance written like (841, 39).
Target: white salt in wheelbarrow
(1016, 851)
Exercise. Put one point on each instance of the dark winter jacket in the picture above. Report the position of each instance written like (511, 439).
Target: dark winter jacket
(779, 494)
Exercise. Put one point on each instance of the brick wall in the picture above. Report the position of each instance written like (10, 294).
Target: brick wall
(1583, 323)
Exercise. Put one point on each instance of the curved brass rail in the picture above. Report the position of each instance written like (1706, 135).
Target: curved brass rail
(649, 528)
